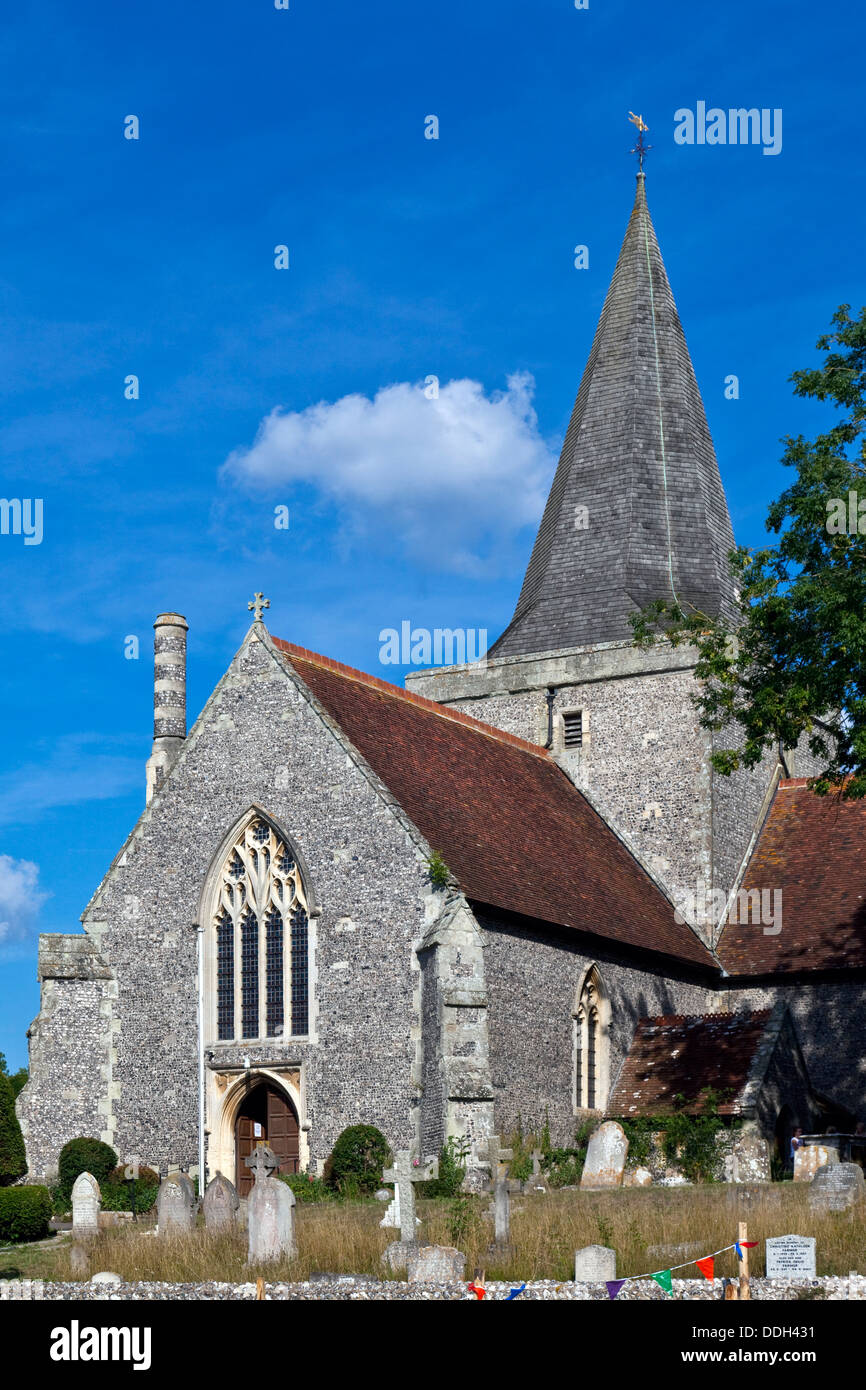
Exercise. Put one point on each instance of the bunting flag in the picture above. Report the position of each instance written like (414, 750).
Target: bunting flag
(664, 1281)
(663, 1277)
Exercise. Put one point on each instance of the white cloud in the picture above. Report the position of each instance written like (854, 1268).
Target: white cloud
(20, 898)
(452, 478)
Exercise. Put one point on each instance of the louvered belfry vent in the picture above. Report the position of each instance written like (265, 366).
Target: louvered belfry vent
(572, 723)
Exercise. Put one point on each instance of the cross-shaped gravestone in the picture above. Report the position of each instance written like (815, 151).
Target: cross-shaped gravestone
(262, 1161)
(270, 1210)
(496, 1155)
(406, 1170)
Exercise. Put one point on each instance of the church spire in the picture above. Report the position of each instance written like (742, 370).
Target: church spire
(637, 510)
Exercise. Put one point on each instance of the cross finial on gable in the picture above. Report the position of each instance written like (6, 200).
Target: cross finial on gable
(258, 603)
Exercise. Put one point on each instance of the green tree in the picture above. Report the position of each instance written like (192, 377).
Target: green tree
(792, 663)
(17, 1078)
(13, 1158)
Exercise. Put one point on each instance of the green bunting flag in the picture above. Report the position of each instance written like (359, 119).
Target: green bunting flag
(663, 1279)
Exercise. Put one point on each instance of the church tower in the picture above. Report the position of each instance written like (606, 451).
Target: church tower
(636, 512)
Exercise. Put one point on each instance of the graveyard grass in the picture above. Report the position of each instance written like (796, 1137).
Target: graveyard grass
(345, 1238)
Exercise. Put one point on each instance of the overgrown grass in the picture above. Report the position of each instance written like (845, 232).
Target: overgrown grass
(546, 1231)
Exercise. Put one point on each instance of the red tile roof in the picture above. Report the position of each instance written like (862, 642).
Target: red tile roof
(812, 848)
(512, 828)
(683, 1055)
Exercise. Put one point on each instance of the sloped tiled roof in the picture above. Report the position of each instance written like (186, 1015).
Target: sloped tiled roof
(678, 1054)
(512, 828)
(813, 849)
(638, 454)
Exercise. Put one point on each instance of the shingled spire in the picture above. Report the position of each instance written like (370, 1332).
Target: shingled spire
(639, 459)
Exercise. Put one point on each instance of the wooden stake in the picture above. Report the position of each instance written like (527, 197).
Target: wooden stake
(745, 1290)
(260, 1288)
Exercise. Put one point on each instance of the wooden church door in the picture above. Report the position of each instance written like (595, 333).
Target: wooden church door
(266, 1116)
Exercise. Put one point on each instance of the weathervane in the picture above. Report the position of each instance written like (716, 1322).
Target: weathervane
(640, 149)
(259, 602)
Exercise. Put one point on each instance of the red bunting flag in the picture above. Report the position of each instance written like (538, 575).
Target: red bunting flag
(706, 1266)
(478, 1290)
(742, 1245)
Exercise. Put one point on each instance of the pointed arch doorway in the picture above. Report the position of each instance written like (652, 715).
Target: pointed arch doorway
(265, 1116)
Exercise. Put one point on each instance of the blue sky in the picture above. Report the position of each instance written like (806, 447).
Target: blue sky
(408, 258)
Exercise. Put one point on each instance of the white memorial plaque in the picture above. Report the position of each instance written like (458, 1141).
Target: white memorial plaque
(791, 1257)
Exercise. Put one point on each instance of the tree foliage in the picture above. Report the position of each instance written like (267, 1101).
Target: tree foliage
(85, 1155)
(357, 1160)
(18, 1079)
(13, 1158)
(791, 663)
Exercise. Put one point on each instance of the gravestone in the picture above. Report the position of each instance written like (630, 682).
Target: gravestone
(537, 1182)
(397, 1255)
(175, 1207)
(496, 1157)
(436, 1264)
(404, 1173)
(836, 1187)
(790, 1257)
(220, 1204)
(594, 1264)
(270, 1210)
(86, 1201)
(748, 1159)
(637, 1177)
(392, 1211)
(810, 1158)
(605, 1157)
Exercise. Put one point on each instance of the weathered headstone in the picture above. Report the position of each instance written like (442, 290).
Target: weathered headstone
(175, 1206)
(79, 1261)
(436, 1264)
(391, 1217)
(496, 1157)
(536, 1182)
(594, 1264)
(748, 1159)
(270, 1210)
(811, 1157)
(220, 1204)
(86, 1202)
(836, 1187)
(790, 1257)
(637, 1177)
(605, 1156)
(405, 1171)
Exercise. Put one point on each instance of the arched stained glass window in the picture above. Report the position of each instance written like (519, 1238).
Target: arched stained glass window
(261, 940)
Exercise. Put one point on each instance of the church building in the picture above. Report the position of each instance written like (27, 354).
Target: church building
(445, 908)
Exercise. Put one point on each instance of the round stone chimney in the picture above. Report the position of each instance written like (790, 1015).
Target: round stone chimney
(169, 696)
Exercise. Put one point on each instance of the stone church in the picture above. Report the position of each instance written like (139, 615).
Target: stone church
(277, 952)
